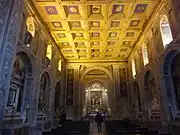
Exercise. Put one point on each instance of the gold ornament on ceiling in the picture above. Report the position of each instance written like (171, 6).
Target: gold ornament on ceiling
(96, 25)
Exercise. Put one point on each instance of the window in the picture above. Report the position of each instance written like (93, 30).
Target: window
(145, 55)
(133, 68)
(165, 30)
(59, 65)
(49, 52)
(30, 26)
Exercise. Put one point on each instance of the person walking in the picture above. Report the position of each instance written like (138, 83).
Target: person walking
(99, 120)
(62, 118)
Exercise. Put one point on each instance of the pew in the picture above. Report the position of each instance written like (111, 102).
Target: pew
(72, 128)
(127, 127)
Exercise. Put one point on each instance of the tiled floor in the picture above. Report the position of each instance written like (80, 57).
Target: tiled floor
(94, 131)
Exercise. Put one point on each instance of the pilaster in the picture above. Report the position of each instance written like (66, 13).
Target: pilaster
(117, 94)
(76, 91)
(10, 20)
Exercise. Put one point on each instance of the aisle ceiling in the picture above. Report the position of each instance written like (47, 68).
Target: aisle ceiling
(88, 30)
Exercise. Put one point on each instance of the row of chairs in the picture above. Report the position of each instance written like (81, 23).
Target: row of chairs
(71, 128)
(127, 127)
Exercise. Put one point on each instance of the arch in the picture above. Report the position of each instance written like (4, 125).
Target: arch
(30, 25)
(137, 96)
(84, 85)
(96, 81)
(165, 30)
(44, 93)
(171, 76)
(105, 70)
(21, 82)
(48, 73)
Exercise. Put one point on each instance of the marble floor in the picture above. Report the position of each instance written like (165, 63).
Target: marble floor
(94, 131)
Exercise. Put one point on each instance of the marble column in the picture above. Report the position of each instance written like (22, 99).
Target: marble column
(117, 93)
(33, 107)
(10, 20)
(76, 92)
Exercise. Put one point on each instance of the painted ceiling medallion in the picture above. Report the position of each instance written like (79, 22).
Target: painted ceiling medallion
(95, 34)
(95, 24)
(57, 24)
(111, 42)
(130, 34)
(80, 43)
(73, 9)
(95, 43)
(96, 9)
(61, 35)
(123, 50)
(78, 34)
(115, 23)
(140, 8)
(126, 43)
(76, 24)
(117, 9)
(65, 43)
(112, 34)
(50, 10)
(109, 50)
(95, 50)
(82, 50)
(134, 23)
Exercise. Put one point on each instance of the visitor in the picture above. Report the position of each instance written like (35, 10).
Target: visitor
(99, 120)
(62, 118)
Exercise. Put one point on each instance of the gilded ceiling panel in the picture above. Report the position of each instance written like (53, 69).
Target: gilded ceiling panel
(95, 29)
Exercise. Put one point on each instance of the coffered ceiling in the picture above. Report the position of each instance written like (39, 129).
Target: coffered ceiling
(90, 30)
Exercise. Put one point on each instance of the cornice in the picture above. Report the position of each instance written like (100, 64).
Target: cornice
(32, 9)
(154, 17)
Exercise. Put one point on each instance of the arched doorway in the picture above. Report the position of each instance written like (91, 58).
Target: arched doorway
(20, 85)
(44, 94)
(137, 97)
(97, 76)
(171, 75)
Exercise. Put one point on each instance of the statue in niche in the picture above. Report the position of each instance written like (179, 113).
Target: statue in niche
(18, 69)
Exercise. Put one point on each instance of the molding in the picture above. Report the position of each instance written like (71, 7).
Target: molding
(149, 25)
(101, 68)
(32, 9)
